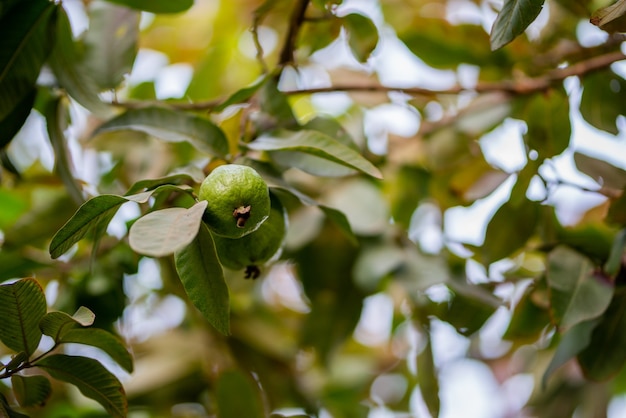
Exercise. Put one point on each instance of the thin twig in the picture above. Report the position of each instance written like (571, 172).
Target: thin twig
(296, 21)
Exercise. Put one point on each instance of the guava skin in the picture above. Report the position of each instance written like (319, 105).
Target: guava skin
(238, 200)
(257, 247)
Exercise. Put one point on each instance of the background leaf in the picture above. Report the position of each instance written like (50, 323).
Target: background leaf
(232, 387)
(163, 232)
(611, 18)
(31, 390)
(171, 126)
(362, 35)
(91, 378)
(512, 20)
(601, 102)
(203, 279)
(103, 340)
(6, 411)
(22, 305)
(601, 171)
(156, 6)
(56, 324)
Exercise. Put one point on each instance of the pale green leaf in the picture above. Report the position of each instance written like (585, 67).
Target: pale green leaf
(171, 126)
(512, 20)
(31, 390)
(362, 35)
(576, 295)
(91, 378)
(110, 43)
(103, 340)
(22, 305)
(163, 232)
(156, 6)
(203, 279)
(56, 324)
(232, 387)
(317, 144)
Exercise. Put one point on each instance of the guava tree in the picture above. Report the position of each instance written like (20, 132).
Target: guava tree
(247, 208)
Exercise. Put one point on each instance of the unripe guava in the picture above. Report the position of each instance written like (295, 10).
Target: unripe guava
(257, 247)
(238, 200)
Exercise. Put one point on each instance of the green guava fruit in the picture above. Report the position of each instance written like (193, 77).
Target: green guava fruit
(238, 200)
(257, 247)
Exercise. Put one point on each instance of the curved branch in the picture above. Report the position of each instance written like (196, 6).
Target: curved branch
(296, 21)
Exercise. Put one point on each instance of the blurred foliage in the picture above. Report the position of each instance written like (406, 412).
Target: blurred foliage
(113, 112)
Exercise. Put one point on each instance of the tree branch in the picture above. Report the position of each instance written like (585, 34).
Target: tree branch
(296, 21)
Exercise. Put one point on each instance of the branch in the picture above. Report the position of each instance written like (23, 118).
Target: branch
(296, 21)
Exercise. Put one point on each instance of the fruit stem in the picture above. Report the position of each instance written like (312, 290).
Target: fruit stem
(242, 213)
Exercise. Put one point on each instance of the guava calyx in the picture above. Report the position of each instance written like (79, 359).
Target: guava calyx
(252, 272)
(242, 214)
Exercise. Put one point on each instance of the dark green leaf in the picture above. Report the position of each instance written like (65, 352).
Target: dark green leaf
(605, 355)
(319, 145)
(31, 390)
(17, 361)
(602, 100)
(6, 411)
(573, 342)
(7, 5)
(103, 340)
(618, 250)
(22, 305)
(163, 232)
(150, 184)
(86, 217)
(549, 128)
(156, 6)
(171, 126)
(576, 295)
(110, 43)
(508, 230)
(512, 20)
(232, 387)
(91, 378)
(427, 379)
(242, 95)
(26, 37)
(617, 210)
(470, 307)
(362, 35)
(203, 279)
(56, 324)
(70, 71)
(529, 318)
(611, 18)
(601, 171)
(12, 123)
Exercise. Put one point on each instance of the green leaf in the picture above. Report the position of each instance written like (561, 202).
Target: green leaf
(70, 71)
(618, 251)
(156, 6)
(242, 95)
(529, 317)
(91, 378)
(427, 379)
(512, 20)
(6, 411)
(85, 218)
(22, 305)
(171, 126)
(31, 390)
(110, 43)
(319, 145)
(605, 354)
(12, 123)
(602, 100)
(341, 221)
(601, 171)
(17, 361)
(617, 210)
(163, 232)
(7, 5)
(547, 117)
(56, 324)
(26, 38)
(573, 342)
(232, 387)
(362, 35)
(508, 230)
(611, 18)
(150, 184)
(576, 295)
(203, 279)
(103, 340)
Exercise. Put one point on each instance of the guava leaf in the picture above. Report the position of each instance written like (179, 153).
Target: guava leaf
(91, 378)
(26, 38)
(156, 6)
(611, 18)
(6, 411)
(86, 217)
(427, 379)
(14, 120)
(22, 305)
(512, 20)
(150, 184)
(110, 43)
(241, 95)
(56, 324)
(601, 171)
(103, 340)
(31, 390)
(576, 295)
(602, 99)
(618, 250)
(163, 232)
(362, 35)
(171, 126)
(233, 386)
(320, 145)
(549, 127)
(203, 279)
